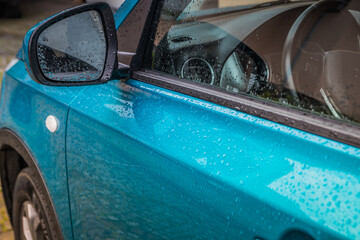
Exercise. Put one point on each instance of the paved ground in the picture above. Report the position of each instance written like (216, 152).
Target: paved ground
(12, 32)
(5, 226)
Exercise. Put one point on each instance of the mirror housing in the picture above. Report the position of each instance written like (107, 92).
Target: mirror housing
(75, 47)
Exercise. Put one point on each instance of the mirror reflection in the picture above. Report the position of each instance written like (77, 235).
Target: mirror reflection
(66, 53)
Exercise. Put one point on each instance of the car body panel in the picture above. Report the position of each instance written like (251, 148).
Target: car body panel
(123, 11)
(144, 160)
(25, 106)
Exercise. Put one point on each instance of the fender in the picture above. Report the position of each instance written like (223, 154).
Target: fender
(14, 156)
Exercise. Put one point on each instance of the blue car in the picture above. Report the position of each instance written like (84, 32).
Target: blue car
(194, 119)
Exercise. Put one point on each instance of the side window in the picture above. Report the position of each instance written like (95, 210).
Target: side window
(275, 51)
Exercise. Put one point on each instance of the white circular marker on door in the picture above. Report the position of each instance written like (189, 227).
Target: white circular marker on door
(52, 123)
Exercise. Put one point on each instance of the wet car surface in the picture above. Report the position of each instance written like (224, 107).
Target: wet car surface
(199, 119)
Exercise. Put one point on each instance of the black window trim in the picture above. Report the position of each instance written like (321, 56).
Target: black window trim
(343, 132)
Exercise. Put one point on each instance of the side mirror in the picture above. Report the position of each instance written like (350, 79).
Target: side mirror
(75, 47)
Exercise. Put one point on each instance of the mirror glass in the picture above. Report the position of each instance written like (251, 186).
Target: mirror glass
(73, 49)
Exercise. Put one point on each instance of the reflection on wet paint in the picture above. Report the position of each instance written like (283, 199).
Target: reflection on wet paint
(329, 197)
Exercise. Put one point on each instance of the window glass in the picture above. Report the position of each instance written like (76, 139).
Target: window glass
(286, 52)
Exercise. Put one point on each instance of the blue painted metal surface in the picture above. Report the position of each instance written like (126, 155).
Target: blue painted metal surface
(124, 11)
(145, 162)
(24, 107)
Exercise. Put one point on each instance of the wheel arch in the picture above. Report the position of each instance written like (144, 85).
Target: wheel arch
(14, 156)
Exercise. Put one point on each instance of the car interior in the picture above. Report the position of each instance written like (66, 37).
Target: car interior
(296, 53)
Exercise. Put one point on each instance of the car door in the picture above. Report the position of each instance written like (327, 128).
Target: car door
(176, 152)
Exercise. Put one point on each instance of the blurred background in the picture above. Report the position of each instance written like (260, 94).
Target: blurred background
(16, 18)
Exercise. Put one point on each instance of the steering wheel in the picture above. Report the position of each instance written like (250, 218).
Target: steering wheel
(297, 35)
